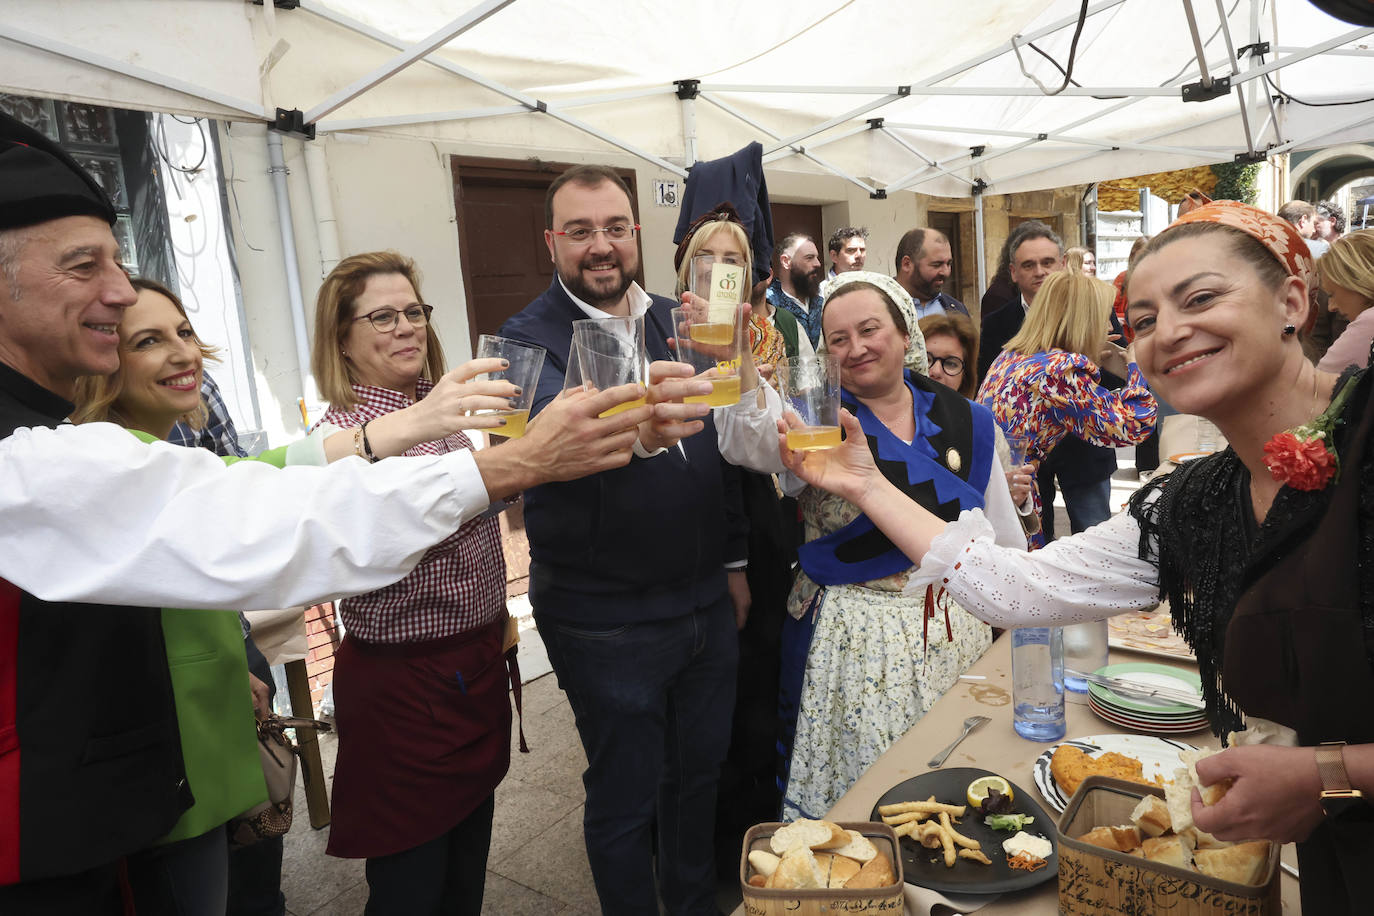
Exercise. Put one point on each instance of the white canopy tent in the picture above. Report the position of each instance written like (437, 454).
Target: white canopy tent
(877, 98)
(935, 97)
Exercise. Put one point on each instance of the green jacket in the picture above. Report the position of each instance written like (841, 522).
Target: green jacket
(214, 708)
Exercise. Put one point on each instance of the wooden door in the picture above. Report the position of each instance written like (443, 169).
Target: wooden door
(505, 263)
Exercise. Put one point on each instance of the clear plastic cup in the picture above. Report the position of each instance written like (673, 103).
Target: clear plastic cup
(610, 352)
(810, 388)
(526, 361)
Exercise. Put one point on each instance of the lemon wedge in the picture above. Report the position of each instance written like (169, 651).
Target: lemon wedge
(978, 789)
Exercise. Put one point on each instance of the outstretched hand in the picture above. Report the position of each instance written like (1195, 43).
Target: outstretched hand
(452, 403)
(570, 438)
(1274, 795)
(847, 470)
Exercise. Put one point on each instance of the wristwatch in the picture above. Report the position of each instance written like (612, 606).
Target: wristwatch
(1338, 800)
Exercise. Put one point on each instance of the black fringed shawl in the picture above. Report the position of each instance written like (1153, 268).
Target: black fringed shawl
(1201, 534)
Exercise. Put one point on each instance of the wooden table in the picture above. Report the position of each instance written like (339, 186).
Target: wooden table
(996, 747)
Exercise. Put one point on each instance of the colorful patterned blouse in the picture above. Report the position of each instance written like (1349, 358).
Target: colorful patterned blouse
(1054, 393)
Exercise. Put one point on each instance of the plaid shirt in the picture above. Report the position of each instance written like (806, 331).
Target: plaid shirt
(219, 435)
(459, 584)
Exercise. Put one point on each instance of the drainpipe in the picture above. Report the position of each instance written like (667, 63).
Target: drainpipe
(277, 169)
(322, 202)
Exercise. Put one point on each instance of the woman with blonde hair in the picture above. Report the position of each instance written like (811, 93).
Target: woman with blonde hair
(1347, 275)
(774, 334)
(1047, 384)
(1083, 260)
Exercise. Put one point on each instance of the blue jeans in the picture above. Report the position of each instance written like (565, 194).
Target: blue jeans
(1088, 504)
(653, 704)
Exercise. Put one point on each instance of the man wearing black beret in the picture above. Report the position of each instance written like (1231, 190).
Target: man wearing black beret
(98, 530)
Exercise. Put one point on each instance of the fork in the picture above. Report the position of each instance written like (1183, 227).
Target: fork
(970, 724)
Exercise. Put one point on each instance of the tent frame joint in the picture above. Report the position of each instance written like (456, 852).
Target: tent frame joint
(687, 89)
(903, 91)
(976, 151)
(1259, 155)
(879, 194)
(292, 121)
(875, 123)
(978, 187)
(281, 4)
(1260, 48)
(1200, 92)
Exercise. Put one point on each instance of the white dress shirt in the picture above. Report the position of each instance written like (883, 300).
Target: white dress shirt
(91, 513)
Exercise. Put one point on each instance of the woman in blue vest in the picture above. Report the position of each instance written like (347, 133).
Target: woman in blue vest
(861, 661)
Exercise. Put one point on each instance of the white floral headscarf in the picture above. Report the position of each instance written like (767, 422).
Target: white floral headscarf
(916, 348)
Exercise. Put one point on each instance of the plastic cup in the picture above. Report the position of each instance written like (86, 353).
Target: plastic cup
(810, 388)
(526, 362)
(610, 352)
(723, 286)
(713, 348)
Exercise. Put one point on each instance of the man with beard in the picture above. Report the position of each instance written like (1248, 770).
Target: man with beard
(797, 288)
(636, 575)
(848, 249)
(924, 263)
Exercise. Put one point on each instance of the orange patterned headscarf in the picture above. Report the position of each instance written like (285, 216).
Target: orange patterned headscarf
(1275, 233)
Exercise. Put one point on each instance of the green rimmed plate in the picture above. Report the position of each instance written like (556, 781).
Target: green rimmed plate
(1149, 675)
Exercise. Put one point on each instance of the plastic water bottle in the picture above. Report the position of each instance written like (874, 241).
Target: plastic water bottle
(1037, 675)
(1085, 649)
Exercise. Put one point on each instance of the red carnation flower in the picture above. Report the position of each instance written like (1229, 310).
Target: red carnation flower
(1301, 463)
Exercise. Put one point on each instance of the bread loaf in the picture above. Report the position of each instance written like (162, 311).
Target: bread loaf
(858, 847)
(1243, 863)
(876, 872)
(1152, 816)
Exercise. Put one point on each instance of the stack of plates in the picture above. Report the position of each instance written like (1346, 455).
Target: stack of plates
(1149, 714)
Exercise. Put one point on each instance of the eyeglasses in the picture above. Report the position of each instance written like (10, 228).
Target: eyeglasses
(615, 232)
(384, 320)
(952, 365)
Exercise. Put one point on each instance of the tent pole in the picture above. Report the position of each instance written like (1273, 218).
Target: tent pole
(81, 55)
(1255, 38)
(398, 63)
(322, 202)
(277, 169)
(1235, 70)
(1197, 44)
(801, 151)
(979, 243)
(689, 132)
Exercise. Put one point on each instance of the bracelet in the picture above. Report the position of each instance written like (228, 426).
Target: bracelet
(358, 442)
(367, 446)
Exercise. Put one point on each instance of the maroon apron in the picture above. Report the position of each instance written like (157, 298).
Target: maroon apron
(1295, 654)
(424, 738)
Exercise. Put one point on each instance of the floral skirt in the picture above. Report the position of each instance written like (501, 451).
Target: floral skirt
(870, 675)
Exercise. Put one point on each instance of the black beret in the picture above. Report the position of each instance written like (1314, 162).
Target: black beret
(40, 182)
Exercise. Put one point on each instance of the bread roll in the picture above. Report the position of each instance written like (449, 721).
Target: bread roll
(1152, 816)
(858, 848)
(1100, 836)
(1243, 863)
(1210, 794)
(1169, 850)
(1201, 839)
(837, 869)
(763, 862)
(876, 872)
(1179, 799)
(1127, 837)
(798, 870)
(802, 832)
(838, 837)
